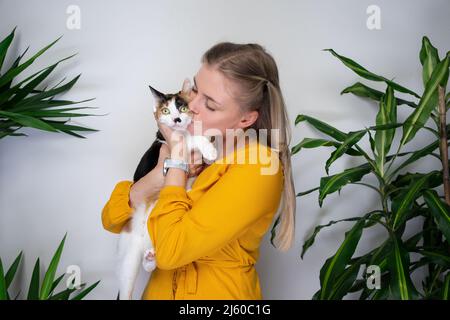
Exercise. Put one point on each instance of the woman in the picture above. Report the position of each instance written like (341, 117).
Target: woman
(207, 239)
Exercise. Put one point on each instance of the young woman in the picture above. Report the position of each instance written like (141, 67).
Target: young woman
(207, 239)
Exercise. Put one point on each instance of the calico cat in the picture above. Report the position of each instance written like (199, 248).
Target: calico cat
(135, 245)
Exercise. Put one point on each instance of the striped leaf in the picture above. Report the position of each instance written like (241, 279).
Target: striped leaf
(310, 143)
(335, 182)
(336, 264)
(416, 155)
(401, 286)
(322, 127)
(440, 210)
(402, 205)
(351, 139)
(363, 72)
(361, 90)
(310, 241)
(445, 292)
(429, 58)
(427, 103)
(387, 114)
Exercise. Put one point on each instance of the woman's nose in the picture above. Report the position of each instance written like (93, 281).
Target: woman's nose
(193, 105)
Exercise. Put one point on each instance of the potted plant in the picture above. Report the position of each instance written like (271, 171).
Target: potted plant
(403, 196)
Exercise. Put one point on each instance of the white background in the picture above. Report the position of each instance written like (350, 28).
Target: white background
(55, 183)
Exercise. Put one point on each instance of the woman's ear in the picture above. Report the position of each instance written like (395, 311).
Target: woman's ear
(248, 119)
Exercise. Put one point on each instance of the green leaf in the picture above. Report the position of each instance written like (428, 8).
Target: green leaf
(12, 270)
(49, 93)
(310, 143)
(310, 241)
(307, 192)
(55, 283)
(33, 291)
(4, 45)
(361, 90)
(336, 264)
(65, 294)
(322, 126)
(82, 294)
(439, 258)
(400, 285)
(3, 290)
(335, 182)
(416, 155)
(427, 103)
(273, 231)
(429, 58)
(50, 274)
(445, 293)
(440, 210)
(363, 72)
(351, 139)
(17, 90)
(13, 72)
(402, 205)
(383, 138)
(345, 280)
(28, 121)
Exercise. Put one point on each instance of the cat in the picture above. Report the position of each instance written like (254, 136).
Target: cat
(135, 244)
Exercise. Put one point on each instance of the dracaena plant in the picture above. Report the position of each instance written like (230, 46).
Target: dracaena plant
(45, 289)
(403, 195)
(23, 104)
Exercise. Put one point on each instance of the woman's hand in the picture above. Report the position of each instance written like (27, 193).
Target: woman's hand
(195, 160)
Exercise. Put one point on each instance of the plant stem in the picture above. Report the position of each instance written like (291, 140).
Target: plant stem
(443, 147)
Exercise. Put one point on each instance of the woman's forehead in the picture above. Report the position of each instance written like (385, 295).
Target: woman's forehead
(214, 84)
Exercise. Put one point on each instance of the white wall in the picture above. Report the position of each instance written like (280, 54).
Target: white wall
(54, 183)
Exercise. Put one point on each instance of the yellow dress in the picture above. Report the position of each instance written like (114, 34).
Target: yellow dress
(207, 239)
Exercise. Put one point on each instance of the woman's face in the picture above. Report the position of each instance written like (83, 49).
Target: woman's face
(213, 104)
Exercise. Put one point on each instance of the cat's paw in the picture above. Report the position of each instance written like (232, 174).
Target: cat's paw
(149, 266)
(149, 262)
(149, 254)
(210, 153)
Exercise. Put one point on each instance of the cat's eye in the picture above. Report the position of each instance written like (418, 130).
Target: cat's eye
(165, 111)
(184, 109)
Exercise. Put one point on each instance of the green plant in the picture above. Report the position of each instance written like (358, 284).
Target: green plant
(403, 196)
(23, 105)
(45, 290)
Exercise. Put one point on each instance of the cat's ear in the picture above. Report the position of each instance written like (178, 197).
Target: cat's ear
(187, 87)
(157, 95)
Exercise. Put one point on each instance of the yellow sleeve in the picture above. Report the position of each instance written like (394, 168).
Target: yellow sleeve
(117, 210)
(182, 233)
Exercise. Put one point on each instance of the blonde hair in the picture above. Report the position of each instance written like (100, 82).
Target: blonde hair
(256, 73)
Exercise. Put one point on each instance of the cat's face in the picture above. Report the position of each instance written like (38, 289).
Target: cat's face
(172, 109)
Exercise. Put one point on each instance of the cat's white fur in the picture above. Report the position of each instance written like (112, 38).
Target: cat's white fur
(135, 247)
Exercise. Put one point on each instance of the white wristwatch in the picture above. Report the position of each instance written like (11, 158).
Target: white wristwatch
(174, 163)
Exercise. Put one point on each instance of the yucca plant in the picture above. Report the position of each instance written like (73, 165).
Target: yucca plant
(22, 104)
(403, 196)
(44, 290)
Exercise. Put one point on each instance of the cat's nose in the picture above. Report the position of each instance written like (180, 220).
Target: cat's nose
(177, 120)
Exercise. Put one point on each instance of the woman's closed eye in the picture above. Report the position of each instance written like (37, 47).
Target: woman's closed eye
(194, 90)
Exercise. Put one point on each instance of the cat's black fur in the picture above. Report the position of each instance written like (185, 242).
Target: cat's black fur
(150, 158)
